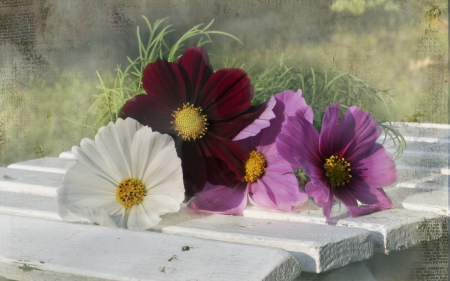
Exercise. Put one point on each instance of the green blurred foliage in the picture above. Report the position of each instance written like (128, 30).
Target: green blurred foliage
(45, 121)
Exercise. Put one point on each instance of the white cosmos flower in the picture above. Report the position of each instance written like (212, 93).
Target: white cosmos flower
(128, 177)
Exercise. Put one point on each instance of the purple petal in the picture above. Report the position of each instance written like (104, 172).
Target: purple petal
(277, 189)
(349, 137)
(221, 199)
(334, 138)
(263, 121)
(298, 144)
(293, 102)
(377, 169)
(348, 200)
(321, 199)
(377, 196)
(365, 135)
(370, 196)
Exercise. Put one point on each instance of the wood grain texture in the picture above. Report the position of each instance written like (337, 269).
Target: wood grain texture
(36, 249)
(318, 247)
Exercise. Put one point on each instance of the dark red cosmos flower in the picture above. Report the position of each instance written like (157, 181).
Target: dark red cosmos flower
(203, 110)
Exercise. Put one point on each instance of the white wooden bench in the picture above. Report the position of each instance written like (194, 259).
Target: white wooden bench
(259, 245)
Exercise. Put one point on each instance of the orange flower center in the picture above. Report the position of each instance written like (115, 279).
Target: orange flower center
(254, 166)
(130, 192)
(337, 171)
(189, 122)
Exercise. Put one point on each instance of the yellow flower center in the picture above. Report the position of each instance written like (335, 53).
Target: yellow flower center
(130, 192)
(254, 166)
(190, 122)
(337, 171)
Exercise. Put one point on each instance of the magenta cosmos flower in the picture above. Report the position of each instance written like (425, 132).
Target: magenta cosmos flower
(203, 110)
(269, 180)
(343, 161)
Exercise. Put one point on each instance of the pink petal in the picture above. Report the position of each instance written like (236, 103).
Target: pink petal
(221, 199)
(263, 121)
(316, 193)
(277, 189)
(293, 102)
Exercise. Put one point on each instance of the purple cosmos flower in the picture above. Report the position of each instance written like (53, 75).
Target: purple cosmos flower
(269, 180)
(343, 161)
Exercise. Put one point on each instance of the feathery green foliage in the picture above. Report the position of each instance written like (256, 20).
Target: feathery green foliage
(319, 87)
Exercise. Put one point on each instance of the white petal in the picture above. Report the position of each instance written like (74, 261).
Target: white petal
(89, 156)
(114, 143)
(173, 187)
(141, 219)
(165, 166)
(81, 177)
(146, 145)
(147, 214)
(98, 216)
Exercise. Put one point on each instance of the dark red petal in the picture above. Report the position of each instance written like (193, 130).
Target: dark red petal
(224, 160)
(229, 129)
(193, 165)
(227, 94)
(149, 111)
(163, 80)
(195, 62)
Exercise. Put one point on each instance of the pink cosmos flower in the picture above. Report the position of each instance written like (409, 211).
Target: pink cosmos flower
(269, 180)
(343, 161)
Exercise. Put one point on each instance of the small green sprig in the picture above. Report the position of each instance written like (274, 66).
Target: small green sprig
(127, 83)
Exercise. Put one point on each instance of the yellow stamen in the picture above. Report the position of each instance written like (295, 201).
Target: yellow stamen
(337, 171)
(130, 192)
(254, 166)
(190, 122)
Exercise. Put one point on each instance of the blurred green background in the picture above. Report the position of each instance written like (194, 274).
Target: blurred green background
(396, 51)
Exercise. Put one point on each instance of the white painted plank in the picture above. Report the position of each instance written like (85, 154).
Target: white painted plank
(48, 250)
(311, 213)
(67, 155)
(433, 201)
(433, 181)
(317, 247)
(398, 229)
(46, 164)
(29, 182)
(394, 229)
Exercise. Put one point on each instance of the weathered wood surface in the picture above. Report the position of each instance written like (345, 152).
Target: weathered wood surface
(37, 249)
(318, 247)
